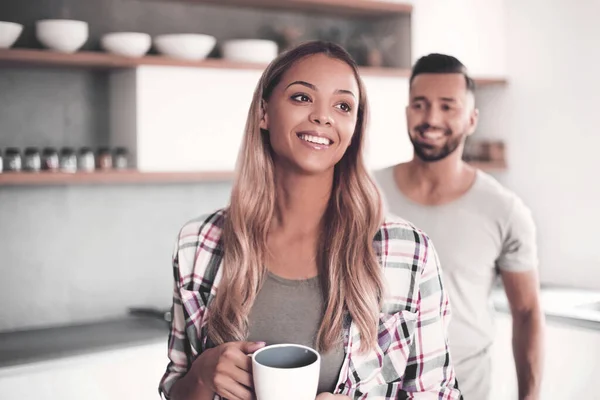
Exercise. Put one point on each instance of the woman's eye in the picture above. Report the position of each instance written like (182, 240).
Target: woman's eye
(344, 107)
(301, 98)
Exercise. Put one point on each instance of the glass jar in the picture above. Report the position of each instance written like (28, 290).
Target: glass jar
(1, 162)
(104, 160)
(50, 160)
(120, 158)
(86, 161)
(12, 160)
(68, 160)
(33, 161)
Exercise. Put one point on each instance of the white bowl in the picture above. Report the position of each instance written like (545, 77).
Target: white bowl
(250, 50)
(64, 35)
(188, 46)
(129, 44)
(9, 33)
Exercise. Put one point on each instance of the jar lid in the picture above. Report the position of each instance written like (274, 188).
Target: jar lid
(12, 150)
(31, 150)
(49, 150)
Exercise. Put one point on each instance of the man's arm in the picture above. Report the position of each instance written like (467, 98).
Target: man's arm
(528, 330)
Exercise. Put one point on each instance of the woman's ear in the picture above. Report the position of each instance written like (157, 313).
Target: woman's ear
(264, 116)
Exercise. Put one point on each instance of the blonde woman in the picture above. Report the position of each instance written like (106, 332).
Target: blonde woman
(303, 254)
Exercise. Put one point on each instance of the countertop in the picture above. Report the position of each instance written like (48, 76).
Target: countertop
(575, 307)
(28, 346)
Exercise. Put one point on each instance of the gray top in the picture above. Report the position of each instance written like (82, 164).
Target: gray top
(488, 227)
(291, 311)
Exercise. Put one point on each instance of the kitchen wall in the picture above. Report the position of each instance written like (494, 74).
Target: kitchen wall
(74, 253)
(70, 254)
(548, 116)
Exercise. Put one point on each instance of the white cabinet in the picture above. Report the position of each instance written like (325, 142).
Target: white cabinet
(504, 378)
(193, 119)
(130, 373)
(181, 119)
(474, 31)
(572, 363)
(570, 366)
(388, 141)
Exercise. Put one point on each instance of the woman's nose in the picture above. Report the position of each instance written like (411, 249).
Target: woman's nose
(321, 117)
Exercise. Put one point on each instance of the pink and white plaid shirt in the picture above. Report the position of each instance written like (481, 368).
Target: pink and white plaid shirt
(411, 359)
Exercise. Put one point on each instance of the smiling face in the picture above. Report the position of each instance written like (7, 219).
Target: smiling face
(311, 114)
(440, 115)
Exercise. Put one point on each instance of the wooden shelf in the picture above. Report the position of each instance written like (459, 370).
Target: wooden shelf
(482, 81)
(492, 166)
(374, 8)
(110, 177)
(100, 60)
(137, 177)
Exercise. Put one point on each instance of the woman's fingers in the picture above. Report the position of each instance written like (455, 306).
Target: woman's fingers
(234, 391)
(243, 377)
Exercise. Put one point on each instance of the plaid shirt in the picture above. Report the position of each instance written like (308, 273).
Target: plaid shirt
(411, 359)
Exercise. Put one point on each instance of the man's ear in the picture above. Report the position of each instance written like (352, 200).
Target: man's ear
(264, 116)
(473, 120)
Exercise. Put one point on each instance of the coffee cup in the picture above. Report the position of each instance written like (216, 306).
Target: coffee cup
(286, 371)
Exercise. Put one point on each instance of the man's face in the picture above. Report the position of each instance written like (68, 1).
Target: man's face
(440, 115)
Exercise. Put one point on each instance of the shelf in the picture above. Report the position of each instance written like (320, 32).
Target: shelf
(482, 81)
(110, 177)
(100, 60)
(492, 166)
(364, 8)
(137, 177)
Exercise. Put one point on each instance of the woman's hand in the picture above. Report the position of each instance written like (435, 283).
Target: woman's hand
(227, 370)
(329, 396)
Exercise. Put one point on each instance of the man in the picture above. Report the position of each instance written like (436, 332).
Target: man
(479, 228)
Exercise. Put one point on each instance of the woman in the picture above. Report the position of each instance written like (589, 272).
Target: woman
(302, 254)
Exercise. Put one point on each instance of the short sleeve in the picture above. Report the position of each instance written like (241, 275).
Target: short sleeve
(519, 246)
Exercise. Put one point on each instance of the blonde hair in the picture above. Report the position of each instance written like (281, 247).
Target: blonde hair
(349, 272)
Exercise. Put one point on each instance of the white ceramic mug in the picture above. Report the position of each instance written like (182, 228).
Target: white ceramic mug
(286, 371)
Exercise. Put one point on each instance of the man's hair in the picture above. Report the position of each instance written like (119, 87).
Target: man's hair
(436, 63)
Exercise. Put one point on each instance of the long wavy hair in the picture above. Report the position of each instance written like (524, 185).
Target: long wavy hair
(349, 271)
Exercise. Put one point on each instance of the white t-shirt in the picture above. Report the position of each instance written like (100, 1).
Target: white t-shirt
(488, 227)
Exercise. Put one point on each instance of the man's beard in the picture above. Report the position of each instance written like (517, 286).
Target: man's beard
(430, 153)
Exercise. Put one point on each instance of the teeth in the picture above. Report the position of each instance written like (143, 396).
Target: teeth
(429, 135)
(315, 139)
